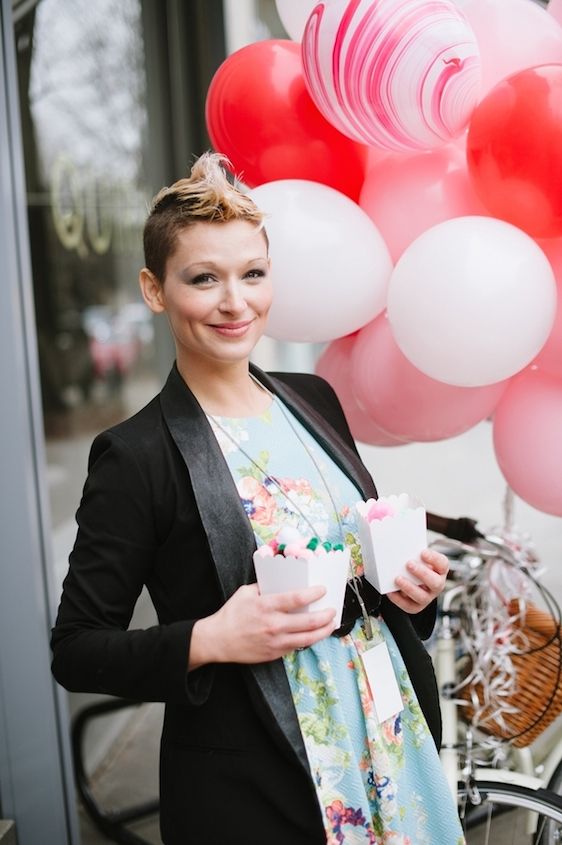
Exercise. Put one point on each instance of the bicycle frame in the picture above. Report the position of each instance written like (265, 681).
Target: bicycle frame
(445, 670)
(531, 761)
(444, 662)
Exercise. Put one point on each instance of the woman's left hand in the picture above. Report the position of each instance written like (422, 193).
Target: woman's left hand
(431, 570)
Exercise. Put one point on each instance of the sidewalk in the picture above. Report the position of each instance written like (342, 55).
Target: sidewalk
(128, 776)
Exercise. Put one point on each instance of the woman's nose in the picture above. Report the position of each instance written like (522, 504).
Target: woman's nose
(233, 300)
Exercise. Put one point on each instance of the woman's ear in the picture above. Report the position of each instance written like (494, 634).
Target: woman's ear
(151, 291)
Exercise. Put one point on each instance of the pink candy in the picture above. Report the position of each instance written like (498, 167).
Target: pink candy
(298, 551)
(264, 551)
(298, 548)
(379, 510)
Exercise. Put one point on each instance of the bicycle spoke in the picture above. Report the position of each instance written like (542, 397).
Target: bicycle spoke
(489, 824)
(512, 815)
(539, 832)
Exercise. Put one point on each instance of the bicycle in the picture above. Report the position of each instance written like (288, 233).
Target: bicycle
(493, 780)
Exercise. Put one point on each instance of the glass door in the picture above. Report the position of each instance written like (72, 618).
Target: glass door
(82, 86)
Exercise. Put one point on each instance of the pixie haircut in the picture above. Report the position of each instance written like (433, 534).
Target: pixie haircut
(206, 195)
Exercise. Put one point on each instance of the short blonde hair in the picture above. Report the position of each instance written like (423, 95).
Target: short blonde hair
(206, 195)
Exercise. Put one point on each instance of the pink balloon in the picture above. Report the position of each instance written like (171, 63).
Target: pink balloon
(512, 35)
(334, 365)
(404, 196)
(402, 76)
(527, 430)
(555, 10)
(549, 359)
(405, 402)
(375, 155)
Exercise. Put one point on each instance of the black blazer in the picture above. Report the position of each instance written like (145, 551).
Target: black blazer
(160, 508)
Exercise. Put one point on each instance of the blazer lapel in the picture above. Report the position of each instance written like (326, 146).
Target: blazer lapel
(226, 525)
(230, 536)
(341, 453)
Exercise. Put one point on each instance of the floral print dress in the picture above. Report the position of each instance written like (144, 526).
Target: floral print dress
(376, 782)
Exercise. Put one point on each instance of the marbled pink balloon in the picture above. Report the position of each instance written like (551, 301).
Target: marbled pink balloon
(396, 74)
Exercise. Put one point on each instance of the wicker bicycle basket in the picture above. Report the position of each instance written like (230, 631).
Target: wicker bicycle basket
(536, 699)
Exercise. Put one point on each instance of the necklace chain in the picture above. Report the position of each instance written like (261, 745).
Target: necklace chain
(263, 471)
(353, 581)
(315, 464)
(272, 478)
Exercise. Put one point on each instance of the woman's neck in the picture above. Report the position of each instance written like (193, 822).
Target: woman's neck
(228, 391)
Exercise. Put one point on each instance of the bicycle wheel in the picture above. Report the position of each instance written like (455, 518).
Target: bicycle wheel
(552, 832)
(510, 815)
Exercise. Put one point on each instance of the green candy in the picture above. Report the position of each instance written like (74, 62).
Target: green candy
(313, 543)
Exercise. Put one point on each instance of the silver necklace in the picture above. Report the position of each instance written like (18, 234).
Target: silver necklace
(264, 472)
(353, 580)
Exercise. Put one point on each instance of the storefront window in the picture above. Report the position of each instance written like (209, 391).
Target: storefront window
(84, 117)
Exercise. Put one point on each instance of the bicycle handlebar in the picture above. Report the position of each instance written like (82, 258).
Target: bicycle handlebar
(462, 529)
(465, 537)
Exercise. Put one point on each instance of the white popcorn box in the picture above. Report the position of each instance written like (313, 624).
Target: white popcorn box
(280, 574)
(387, 544)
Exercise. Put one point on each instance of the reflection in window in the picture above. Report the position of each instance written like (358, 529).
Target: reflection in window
(81, 69)
(82, 91)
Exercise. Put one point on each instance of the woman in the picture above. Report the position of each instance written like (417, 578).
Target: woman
(269, 733)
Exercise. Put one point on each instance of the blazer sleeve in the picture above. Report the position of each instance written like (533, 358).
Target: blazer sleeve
(113, 555)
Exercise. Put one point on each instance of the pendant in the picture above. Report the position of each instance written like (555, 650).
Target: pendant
(367, 627)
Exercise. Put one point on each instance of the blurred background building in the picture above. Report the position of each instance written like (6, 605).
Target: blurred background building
(102, 103)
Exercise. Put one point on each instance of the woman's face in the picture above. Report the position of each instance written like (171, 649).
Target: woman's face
(216, 292)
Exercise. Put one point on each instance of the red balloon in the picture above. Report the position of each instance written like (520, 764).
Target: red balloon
(335, 366)
(514, 150)
(260, 114)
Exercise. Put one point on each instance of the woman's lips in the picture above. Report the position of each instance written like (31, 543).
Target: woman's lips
(232, 329)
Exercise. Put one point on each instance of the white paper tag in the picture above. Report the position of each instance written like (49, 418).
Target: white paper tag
(382, 681)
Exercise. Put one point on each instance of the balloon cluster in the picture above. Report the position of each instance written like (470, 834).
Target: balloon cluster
(408, 156)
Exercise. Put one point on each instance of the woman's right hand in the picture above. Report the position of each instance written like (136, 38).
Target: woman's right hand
(251, 628)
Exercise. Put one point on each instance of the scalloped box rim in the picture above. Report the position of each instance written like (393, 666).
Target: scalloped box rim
(388, 543)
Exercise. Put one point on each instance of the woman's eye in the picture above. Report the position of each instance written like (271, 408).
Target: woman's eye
(255, 274)
(202, 279)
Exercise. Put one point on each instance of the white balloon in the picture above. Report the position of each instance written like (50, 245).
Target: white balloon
(512, 35)
(330, 265)
(294, 15)
(471, 301)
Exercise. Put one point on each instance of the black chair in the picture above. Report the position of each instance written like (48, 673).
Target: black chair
(109, 822)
